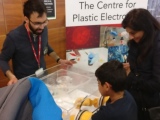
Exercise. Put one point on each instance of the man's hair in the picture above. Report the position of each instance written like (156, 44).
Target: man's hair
(31, 6)
(113, 73)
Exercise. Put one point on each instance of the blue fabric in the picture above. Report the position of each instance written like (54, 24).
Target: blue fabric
(44, 106)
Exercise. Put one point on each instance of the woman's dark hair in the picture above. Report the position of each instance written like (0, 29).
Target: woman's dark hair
(31, 6)
(142, 20)
(113, 73)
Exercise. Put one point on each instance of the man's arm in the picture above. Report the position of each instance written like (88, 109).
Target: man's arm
(5, 56)
(54, 56)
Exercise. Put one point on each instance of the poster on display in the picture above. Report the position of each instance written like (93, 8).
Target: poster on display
(51, 8)
(93, 31)
(115, 39)
(88, 59)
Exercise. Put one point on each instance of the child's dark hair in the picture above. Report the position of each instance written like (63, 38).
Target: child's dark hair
(113, 73)
(31, 6)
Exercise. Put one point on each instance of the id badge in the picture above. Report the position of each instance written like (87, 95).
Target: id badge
(39, 72)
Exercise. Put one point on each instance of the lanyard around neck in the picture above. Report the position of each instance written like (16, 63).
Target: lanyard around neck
(37, 57)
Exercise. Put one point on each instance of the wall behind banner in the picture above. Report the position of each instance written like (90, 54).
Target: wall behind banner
(11, 16)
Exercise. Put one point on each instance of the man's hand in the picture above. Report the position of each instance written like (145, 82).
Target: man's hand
(12, 77)
(12, 81)
(68, 62)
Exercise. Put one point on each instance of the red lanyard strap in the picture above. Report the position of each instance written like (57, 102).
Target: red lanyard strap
(37, 57)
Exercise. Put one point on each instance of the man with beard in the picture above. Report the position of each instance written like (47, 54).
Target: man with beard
(27, 44)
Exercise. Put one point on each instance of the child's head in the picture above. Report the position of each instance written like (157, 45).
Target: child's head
(111, 76)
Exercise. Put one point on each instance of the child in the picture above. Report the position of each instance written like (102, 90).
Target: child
(111, 78)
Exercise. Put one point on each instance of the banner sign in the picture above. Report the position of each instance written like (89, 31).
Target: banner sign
(99, 12)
